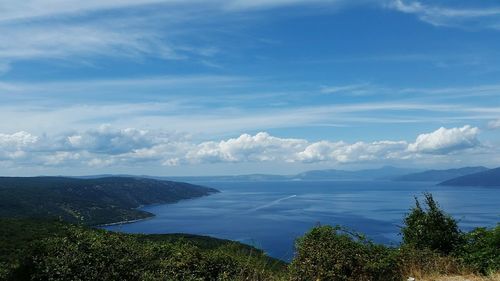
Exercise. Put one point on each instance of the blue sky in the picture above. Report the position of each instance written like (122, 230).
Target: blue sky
(238, 86)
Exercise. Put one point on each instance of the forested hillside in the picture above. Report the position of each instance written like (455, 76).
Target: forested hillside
(89, 201)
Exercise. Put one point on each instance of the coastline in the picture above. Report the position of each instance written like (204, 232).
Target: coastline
(151, 215)
(125, 221)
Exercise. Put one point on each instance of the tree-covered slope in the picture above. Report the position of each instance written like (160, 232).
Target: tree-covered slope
(49, 250)
(486, 178)
(441, 175)
(89, 201)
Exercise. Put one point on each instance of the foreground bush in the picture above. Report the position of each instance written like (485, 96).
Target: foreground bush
(481, 250)
(431, 228)
(432, 245)
(330, 253)
(85, 254)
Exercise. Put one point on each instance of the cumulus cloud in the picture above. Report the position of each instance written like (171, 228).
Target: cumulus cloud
(108, 146)
(17, 140)
(111, 141)
(261, 147)
(444, 140)
(494, 124)
(342, 152)
(14, 146)
(264, 147)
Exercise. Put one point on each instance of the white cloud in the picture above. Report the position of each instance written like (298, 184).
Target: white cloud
(16, 140)
(355, 89)
(261, 147)
(111, 141)
(60, 158)
(29, 9)
(14, 146)
(444, 140)
(108, 146)
(347, 153)
(267, 4)
(81, 40)
(445, 16)
(79, 30)
(494, 124)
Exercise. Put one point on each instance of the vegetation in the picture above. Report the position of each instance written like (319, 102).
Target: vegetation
(431, 228)
(52, 250)
(331, 253)
(481, 250)
(89, 201)
(432, 245)
(41, 249)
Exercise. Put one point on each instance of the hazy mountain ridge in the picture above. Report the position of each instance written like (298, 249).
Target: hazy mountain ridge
(383, 173)
(90, 201)
(441, 175)
(485, 178)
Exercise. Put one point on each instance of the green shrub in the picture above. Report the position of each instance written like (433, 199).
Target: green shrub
(382, 264)
(481, 250)
(330, 253)
(4, 271)
(326, 254)
(86, 254)
(431, 228)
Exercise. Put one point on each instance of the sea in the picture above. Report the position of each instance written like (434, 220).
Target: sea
(272, 215)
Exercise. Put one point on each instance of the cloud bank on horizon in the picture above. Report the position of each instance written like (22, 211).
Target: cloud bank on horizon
(244, 86)
(107, 146)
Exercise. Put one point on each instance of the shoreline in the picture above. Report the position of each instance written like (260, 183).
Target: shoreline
(151, 214)
(124, 222)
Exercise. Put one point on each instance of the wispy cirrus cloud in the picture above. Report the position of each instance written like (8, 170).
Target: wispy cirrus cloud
(27, 10)
(61, 41)
(30, 9)
(163, 29)
(356, 89)
(466, 17)
(157, 28)
(81, 31)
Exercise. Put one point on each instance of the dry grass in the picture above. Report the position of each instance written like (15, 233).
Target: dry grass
(421, 265)
(469, 277)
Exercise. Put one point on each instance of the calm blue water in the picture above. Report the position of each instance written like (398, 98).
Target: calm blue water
(271, 215)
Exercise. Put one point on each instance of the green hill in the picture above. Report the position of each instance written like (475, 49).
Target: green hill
(50, 250)
(89, 201)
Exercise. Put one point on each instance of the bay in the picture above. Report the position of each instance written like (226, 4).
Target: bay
(271, 215)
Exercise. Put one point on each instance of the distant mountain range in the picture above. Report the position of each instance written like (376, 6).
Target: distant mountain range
(384, 173)
(485, 178)
(444, 176)
(440, 175)
(90, 201)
